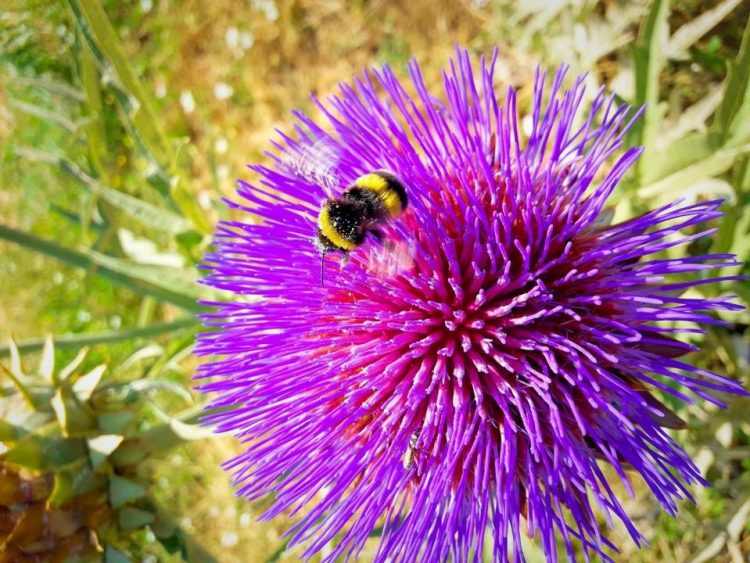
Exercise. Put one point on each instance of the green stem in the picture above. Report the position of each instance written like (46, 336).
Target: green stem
(90, 339)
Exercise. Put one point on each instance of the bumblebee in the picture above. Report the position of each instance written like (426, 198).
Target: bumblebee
(373, 199)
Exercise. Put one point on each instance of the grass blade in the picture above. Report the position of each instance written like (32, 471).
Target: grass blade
(105, 337)
(149, 215)
(692, 31)
(713, 165)
(680, 154)
(45, 114)
(106, 47)
(648, 60)
(157, 282)
(143, 121)
(736, 102)
(50, 85)
(96, 135)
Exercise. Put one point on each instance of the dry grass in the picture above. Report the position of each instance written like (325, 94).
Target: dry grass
(309, 48)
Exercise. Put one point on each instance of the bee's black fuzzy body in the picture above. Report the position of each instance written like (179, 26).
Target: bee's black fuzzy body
(373, 199)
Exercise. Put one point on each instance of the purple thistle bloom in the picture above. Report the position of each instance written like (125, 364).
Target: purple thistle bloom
(474, 388)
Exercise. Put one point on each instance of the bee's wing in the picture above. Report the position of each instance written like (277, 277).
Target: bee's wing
(316, 162)
(391, 258)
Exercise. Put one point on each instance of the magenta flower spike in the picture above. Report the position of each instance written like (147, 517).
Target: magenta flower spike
(468, 380)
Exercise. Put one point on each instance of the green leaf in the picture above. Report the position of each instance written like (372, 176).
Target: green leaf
(176, 540)
(143, 250)
(736, 95)
(85, 386)
(45, 452)
(190, 431)
(190, 241)
(160, 438)
(174, 543)
(175, 285)
(112, 555)
(150, 351)
(123, 491)
(47, 362)
(16, 369)
(697, 27)
(22, 425)
(62, 491)
(143, 120)
(188, 204)
(178, 348)
(727, 229)
(92, 338)
(740, 242)
(161, 283)
(19, 384)
(74, 417)
(10, 432)
(713, 165)
(732, 235)
(149, 385)
(101, 446)
(147, 214)
(106, 46)
(58, 405)
(130, 518)
(164, 526)
(68, 370)
(86, 480)
(648, 60)
(96, 141)
(53, 86)
(75, 218)
(95, 132)
(678, 155)
(45, 115)
(115, 422)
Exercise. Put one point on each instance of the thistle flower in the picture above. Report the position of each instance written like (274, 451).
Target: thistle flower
(479, 389)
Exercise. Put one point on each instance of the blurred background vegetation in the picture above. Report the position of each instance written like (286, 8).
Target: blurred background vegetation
(121, 126)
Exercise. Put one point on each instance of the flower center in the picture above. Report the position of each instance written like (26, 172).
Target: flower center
(456, 321)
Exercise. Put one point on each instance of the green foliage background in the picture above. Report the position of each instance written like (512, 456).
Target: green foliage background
(123, 123)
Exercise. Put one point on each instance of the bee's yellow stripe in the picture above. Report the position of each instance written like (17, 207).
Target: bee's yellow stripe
(374, 182)
(380, 186)
(328, 230)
